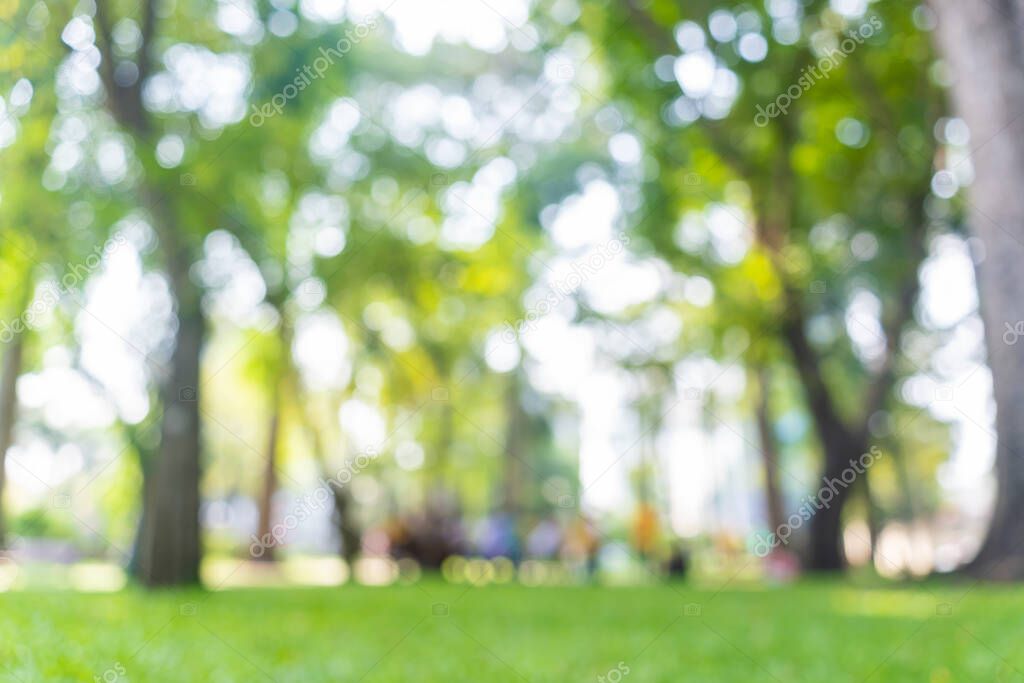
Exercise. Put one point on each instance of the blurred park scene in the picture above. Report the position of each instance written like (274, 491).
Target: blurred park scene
(510, 340)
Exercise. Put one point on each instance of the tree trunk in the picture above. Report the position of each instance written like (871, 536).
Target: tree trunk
(825, 553)
(982, 43)
(169, 543)
(281, 379)
(344, 520)
(266, 501)
(442, 470)
(343, 516)
(839, 445)
(769, 455)
(874, 516)
(513, 475)
(908, 509)
(8, 412)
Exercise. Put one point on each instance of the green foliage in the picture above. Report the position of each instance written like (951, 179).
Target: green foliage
(41, 522)
(848, 165)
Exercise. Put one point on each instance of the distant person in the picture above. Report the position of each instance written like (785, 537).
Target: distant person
(581, 546)
(678, 561)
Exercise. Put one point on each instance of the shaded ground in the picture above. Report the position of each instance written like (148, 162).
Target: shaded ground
(439, 632)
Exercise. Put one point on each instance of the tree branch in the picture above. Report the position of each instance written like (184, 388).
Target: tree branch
(777, 213)
(654, 31)
(661, 38)
(808, 364)
(870, 91)
(145, 56)
(105, 43)
(903, 311)
(125, 102)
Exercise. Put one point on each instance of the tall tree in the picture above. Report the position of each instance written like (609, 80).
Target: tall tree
(789, 279)
(982, 43)
(169, 544)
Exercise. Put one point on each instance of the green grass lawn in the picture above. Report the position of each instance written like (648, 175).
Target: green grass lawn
(438, 632)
